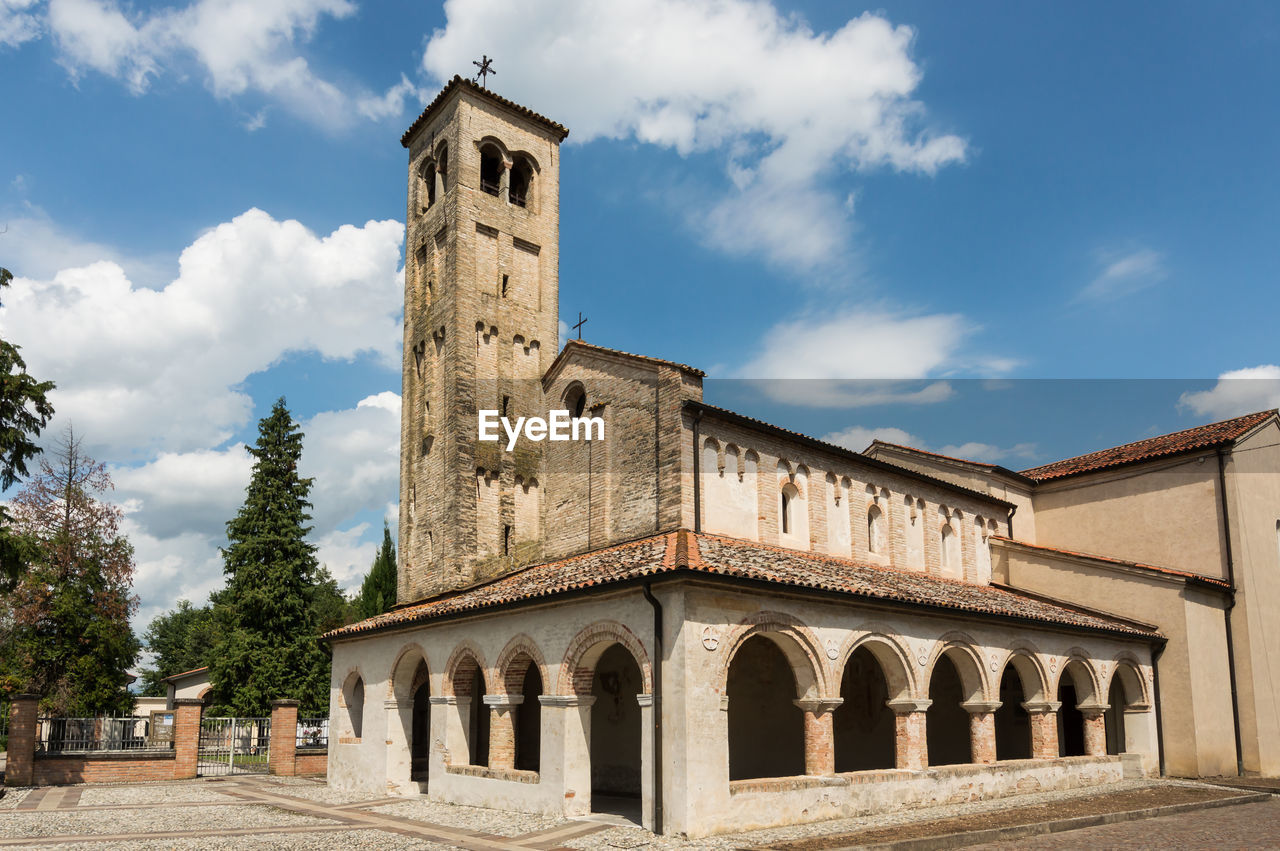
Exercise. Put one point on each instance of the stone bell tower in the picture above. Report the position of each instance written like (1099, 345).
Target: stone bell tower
(481, 309)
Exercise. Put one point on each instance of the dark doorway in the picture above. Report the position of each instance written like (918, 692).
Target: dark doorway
(766, 729)
(864, 724)
(615, 734)
(1070, 723)
(1013, 723)
(478, 726)
(1115, 716)
(947, 723)
(420, 740)
(529, 722)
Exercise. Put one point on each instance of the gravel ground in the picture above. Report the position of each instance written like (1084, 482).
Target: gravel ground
(168, 792)
(499, 822)
(12, 798)
(52, 823)
(375, 840)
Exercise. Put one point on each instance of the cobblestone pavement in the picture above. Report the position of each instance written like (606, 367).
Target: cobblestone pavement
(294, 813)
(1245, 826)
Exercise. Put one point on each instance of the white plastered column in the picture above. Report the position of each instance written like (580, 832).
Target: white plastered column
(646, 760)
(448, 740)
(399, 754)
(566, 749)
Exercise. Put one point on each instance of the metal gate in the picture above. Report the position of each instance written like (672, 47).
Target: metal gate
(234, 746)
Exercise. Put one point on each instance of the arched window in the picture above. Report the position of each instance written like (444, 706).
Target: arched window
(766, 728)
(875, 530)
(442, 170)
(429, 184)
(575, 400)
(784, 512)
(491, 170)
(353, 697)
(521, 181)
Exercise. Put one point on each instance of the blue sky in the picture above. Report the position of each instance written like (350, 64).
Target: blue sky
(204, 206)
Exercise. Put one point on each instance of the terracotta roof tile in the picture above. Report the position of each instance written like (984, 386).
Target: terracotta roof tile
(457, 82)
(1201, 437)
(592, 347)
(710, 555)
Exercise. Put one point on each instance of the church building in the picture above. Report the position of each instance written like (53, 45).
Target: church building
(716, 624)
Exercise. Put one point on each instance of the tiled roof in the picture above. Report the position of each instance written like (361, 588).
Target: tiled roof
(592, 347)
(185, 674)
(457, 82)
(1201, 437)
(966, 461)
(684, 552)
(1168, 571)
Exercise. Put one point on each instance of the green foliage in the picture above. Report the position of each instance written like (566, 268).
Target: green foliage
(269, 647)
(67, 633)
(378, 592)
(329, 605)
(181, 640)
(24, 411)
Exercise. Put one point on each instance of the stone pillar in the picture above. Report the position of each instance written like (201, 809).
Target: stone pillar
(646, 759)
(449, 717)
(910, 742)
(1095, 729)
(187, 712)
(399, 724)
(23, 711)
(284, 737)
(1044, 728)
(982, 729)
(819, 734)
(566, 749)
(502, 729)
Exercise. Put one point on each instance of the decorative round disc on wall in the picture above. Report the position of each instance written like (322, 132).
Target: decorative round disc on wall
(833, 650)
(709, 638)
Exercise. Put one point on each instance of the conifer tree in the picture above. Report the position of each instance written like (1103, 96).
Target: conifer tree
(378, 592)
(269, 647)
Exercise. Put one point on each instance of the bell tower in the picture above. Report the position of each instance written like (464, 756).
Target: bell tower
(481, 312)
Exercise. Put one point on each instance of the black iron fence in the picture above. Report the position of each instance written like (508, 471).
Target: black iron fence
(81, 735)
(313, 733)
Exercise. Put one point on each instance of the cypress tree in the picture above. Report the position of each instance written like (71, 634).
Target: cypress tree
(269, 647)
(378, 592)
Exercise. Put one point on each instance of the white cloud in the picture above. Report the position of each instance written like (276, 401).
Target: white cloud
(1124, 274)
(184, 492)
(18, 23)
(346, 555)
(1240, 391)
(859, 438)
(788, 109)
(974, 451)
(354, 457)
(390, 104)
(33, 246)
(142, 370)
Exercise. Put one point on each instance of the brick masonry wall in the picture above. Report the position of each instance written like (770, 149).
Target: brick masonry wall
(311, 763)
(284, 738)
(104, 768)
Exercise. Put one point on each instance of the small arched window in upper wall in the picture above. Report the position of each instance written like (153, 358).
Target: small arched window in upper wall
(575, 401)
(442, 169)
(521, 181)
(429, 184)
(490, 170)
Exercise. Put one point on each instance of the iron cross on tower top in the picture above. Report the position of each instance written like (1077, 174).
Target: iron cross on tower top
(581, 321)
(485, 64)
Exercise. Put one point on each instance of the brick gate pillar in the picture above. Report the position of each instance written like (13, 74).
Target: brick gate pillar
(911, 746)
(22, 740)
(819, 734)
(187, 712)
(502, 728)
(1044, 728)
(1095, 729)
(982, 729)
(284, 738)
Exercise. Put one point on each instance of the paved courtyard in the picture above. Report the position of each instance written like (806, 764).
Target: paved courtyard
(275, 812)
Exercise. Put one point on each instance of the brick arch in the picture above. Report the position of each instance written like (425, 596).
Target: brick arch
(797, 642)
(960, 649)
(402, 683)
(466, 660)
(521, 648)
(1029, 664)
(894, 660)
(1084, 676)
(1129, 670)
(579, 666)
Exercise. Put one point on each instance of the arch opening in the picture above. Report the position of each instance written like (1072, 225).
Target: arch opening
(766, 728)
(946, 721)
(1074, 688)
(521, 181)
(864, 726)
(615, 731)
(491, 170)
(1013, 723)
(353, 697)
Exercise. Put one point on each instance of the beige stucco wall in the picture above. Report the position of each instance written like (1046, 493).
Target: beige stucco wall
(1253, 491)
(1194, 685)
(1161, 513)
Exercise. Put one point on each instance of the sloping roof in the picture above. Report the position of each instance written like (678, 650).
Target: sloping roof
(700, 555)
(837, 449)
(983, 465)
(1187, 575)
(592, 347)
(1201, 437)
(190, 673)
(458, 82)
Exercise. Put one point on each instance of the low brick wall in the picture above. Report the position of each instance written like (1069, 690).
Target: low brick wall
(311, 763)
(137, 767)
